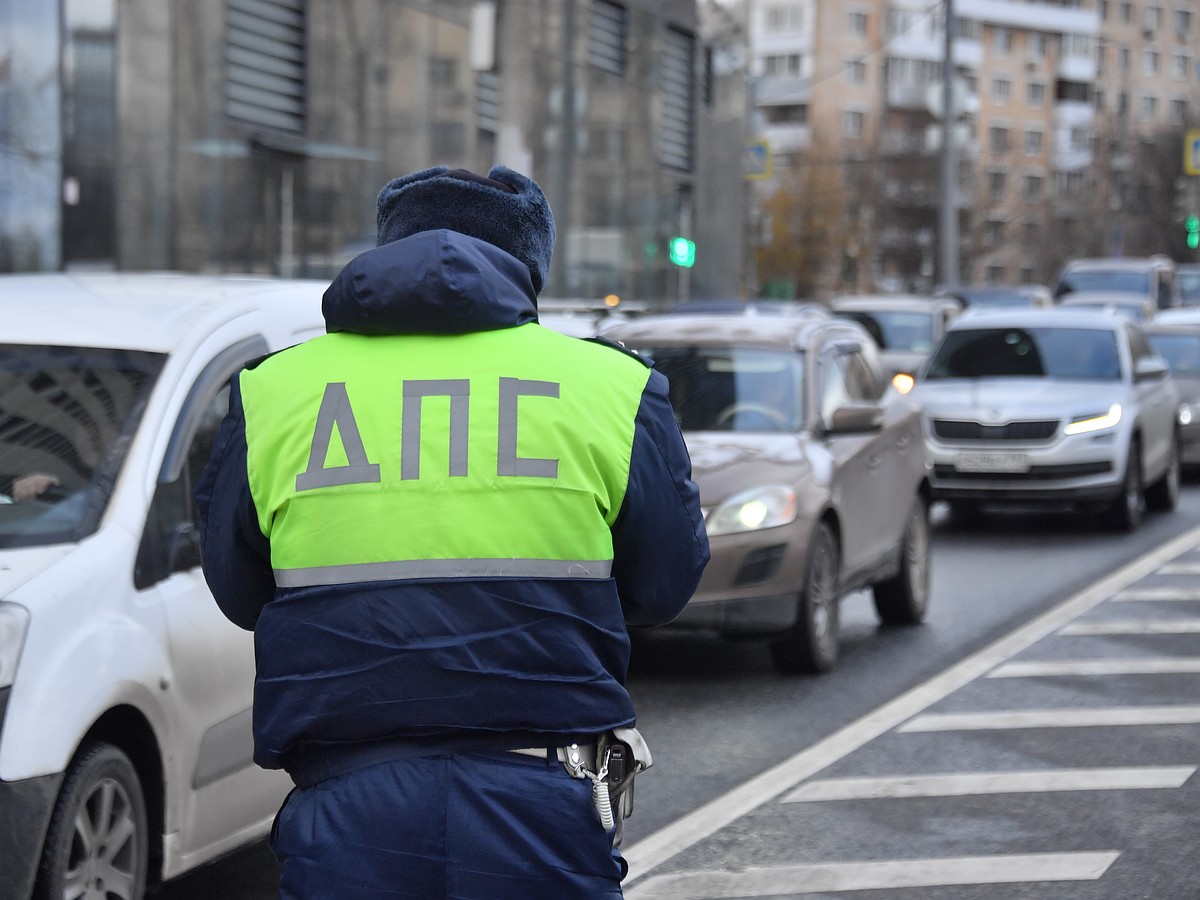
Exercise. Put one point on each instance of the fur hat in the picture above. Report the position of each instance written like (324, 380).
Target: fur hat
(505, 209)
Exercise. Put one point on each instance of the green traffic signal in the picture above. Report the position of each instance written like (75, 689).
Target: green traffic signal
(1192, 224)
(682, 252)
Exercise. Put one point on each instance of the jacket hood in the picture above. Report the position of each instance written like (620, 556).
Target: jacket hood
(433, 282)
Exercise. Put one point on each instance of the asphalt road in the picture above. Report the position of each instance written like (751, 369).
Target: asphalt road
(717, 716)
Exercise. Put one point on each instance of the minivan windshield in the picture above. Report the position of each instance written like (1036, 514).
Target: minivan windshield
(1075, 354)
(733, 389)
(67, 416)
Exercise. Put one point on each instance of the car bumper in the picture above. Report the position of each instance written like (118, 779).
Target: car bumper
(25, 809)
(1078, 469)
(751, 584)
(1189, 444)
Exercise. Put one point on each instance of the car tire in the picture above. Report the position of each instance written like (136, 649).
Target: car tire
(903, 599)
(811, 645)
(1129, 506)
(1163, 495)
(98, 840)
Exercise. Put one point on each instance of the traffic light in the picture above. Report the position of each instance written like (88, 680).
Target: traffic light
(1192, 224)
(682, 252)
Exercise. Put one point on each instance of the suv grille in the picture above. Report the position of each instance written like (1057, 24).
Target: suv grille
(977, 431)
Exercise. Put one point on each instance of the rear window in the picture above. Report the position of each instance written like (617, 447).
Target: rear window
(1103, 280)
(1076, 354)
(1181, 351)
(910, 332)
(67, 416)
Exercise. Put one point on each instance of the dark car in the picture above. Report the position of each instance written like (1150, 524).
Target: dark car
(1179, 345)
(811, 470)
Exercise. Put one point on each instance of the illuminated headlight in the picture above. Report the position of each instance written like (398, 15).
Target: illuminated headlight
(903, 382)
(761, 507)
(1095, 421)
(1188, 414)
(14, 622)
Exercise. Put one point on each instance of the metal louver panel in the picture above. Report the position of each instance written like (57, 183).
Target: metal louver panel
(606, 37)
(265, 63)
(675, 147)
(487, 102)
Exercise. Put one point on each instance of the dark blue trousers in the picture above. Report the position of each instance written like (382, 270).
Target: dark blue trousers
(484, 825)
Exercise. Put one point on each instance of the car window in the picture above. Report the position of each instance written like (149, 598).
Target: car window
(733, 389)
(67, 417)
(1139, 347)
(1106, 280)
(1088, 354)
(845, 378)
(1181, 351)
(911, 332)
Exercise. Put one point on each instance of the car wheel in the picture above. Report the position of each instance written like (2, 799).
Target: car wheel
(811, 645)
(98, 840)
(1163, 495)
(1129, 506)
(904, 598)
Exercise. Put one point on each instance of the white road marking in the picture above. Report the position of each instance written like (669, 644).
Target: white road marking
(656, 848)
(1180, 568)
(968, 784)
(1157, 593)
(1176, 665)
(870, 876)
(1133, 626)
(1000, 720)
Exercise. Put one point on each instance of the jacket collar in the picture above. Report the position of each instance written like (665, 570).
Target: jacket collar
(433, 282)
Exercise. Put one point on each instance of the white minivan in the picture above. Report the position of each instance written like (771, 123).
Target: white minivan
(125, 694)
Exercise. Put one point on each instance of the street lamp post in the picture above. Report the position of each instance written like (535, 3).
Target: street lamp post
(949, 202)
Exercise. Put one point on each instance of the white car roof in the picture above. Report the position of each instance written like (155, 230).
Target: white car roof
(142, 311)
(1037, 317)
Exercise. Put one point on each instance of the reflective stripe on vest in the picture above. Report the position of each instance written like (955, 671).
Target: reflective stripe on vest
(495, 454)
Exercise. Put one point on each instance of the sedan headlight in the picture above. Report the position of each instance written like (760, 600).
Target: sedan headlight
(1094, 421)
(1188, 413)
(14, 622)
(761, 507)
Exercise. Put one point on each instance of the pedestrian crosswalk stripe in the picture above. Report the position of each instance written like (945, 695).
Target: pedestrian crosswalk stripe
(1132, 626)
(1180, 568)
(972, 783)
(780, 881)
(1000, 720)
(1176, 665)
(1158, 593)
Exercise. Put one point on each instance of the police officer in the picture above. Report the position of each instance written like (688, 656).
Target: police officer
(438, 519)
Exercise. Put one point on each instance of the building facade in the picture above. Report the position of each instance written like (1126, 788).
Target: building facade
(1068, 126)
(253, 135)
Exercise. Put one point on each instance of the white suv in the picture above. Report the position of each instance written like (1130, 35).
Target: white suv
(125, 694)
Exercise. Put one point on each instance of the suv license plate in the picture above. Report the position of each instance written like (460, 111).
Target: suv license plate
(992, 462)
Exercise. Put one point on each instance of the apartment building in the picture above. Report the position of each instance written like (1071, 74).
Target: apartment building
(1067, 116)
(253, 135)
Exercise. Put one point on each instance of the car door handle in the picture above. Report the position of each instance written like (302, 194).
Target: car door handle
(903, 441)
(874, 461)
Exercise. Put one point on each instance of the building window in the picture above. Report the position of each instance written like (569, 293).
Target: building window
(783, 65)
(856, 72)
(1033, 141)
(1150, 61)
(606, 37)
(856, 23)
(1030, 234)
(993, 273)
(1152, 19)
(1148, 111)
(265, 73)
(443, 71)
(1180, 63)
(1026, 274)
(1035, 95)
(786, 115)
(1080, 138)
(994, 232)
(784, 17)
(1126, 12)
(1123, 58)
(1031, 188)
(1036, 45)
(1001, 90)
(997, 183)
(675, 72)
(1102, 9)
(1178, 111)
(1183, 22)
(998, 139)
(1002, 40)
(853, 123)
